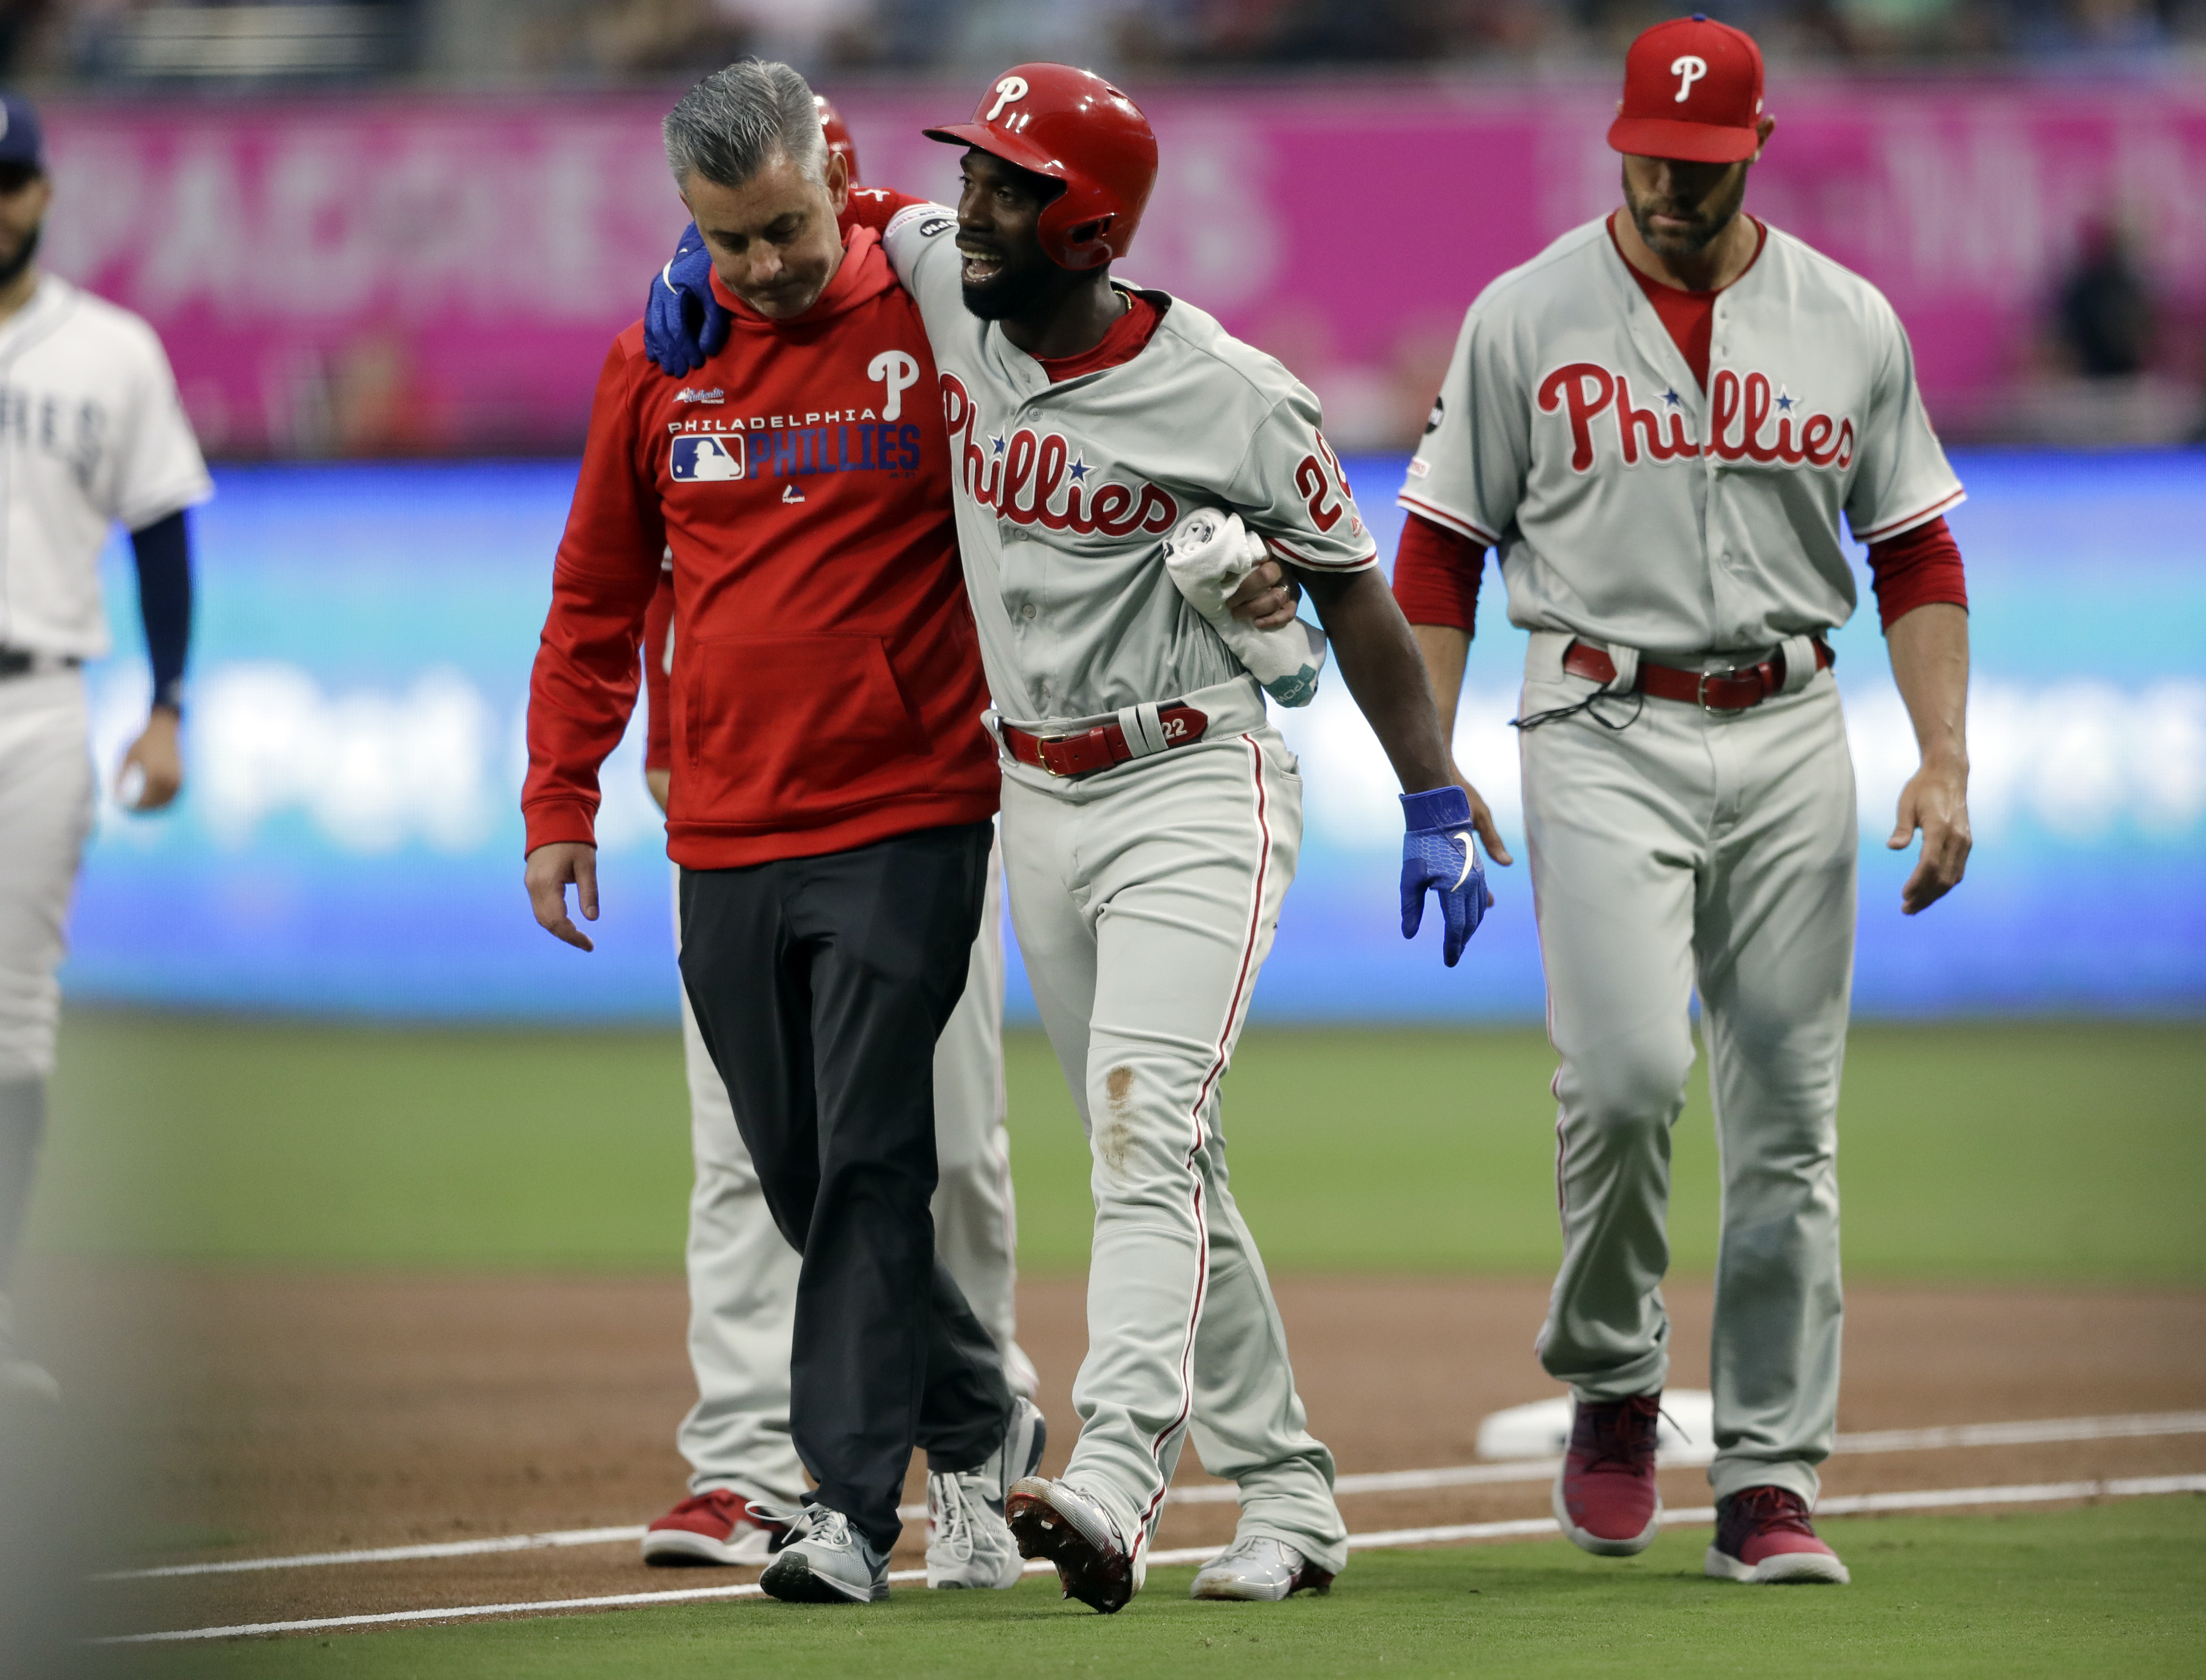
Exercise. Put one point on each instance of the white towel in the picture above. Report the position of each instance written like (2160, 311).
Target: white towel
(1208, 554)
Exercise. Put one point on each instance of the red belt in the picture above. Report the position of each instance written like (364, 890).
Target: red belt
(1731, 690)
(1102, 746)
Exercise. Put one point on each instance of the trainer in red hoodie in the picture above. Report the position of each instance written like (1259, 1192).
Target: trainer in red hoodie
(832, 784)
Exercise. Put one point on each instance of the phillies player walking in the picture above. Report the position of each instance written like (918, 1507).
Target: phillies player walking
(92, 435)
(1657, 424)
(1152, 815)
(829, 805)
(742, 1273)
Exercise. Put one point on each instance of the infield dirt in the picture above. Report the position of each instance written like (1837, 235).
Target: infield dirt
(298, 1414)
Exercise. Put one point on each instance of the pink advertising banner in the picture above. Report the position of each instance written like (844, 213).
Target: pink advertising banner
(417, 276)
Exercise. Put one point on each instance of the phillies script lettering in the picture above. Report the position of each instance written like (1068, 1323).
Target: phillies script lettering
(1033, 479)
(1740, 414)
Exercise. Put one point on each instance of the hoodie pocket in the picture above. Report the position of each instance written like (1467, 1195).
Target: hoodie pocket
(789, 731)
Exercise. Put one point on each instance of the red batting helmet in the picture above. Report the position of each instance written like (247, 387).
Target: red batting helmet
(1074, 127)
(838, 135)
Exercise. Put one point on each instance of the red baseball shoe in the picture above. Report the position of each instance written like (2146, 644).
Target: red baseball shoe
(1764, 1535)
(715, 1527)
(1605, 1493)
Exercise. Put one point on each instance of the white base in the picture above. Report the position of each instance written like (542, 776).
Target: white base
(1685, 1435)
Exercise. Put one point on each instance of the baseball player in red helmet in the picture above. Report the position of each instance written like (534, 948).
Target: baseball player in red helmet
(1118, 461)
(1657, 424)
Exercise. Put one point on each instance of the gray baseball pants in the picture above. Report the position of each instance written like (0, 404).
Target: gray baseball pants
(1145, 901)
(1712, 850)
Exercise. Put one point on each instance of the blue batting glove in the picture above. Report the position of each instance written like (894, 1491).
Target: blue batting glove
(1440, 852)
(683, 325)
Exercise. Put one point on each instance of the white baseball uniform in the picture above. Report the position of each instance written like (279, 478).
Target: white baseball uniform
(91, 433)
(1674, 847)
(1146, 895)
(742, 1271)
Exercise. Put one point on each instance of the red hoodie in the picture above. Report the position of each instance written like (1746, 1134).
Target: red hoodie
(826, 690)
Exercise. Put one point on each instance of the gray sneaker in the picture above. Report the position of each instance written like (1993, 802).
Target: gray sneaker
(823, 1560)
(968, 1543)
(1258, 1569)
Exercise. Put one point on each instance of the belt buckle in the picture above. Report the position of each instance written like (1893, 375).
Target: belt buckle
(1701, 692)
(1042, 744)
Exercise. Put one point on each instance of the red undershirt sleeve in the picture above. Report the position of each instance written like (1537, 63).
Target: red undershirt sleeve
(1917, 568)
(1436, 574)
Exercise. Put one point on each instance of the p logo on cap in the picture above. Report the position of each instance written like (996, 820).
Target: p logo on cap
(1692, 90)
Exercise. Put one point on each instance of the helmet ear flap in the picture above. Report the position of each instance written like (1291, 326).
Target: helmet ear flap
(1084, 244)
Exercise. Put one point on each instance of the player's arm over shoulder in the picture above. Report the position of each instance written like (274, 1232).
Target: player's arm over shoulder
(914, 229)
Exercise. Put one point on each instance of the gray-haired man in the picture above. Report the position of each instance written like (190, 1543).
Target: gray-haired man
(829, 806)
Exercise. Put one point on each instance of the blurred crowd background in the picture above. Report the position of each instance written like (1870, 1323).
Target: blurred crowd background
(595, 41)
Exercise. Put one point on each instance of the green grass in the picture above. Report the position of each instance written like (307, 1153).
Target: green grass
(2030, 1151)
(2116, 1589)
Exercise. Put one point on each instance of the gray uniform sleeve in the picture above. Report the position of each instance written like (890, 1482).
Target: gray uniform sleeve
(1290, 489)
(1470, 469)
(1901, 477)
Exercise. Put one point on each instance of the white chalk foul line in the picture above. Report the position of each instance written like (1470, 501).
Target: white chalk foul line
(2042, 1431)
(1933, 1499)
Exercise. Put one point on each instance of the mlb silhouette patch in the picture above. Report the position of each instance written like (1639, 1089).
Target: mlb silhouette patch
(703, 459)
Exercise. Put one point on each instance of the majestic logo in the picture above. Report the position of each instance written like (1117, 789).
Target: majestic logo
(691, 394)
(935, 224)
(698, 459)
(1688, 69)
(1740, 412)
(1009, 91)
(1439, 414)
(1038, 479)
(898, 373)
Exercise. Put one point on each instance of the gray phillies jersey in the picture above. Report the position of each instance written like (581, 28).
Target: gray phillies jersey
(1625, 506)
(1065, 492)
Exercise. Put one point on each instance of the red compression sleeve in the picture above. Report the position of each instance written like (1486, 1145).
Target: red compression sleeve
(1436, 574)
(657, 682)
(1917, 568)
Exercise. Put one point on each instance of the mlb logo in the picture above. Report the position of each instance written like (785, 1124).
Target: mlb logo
(703, 459)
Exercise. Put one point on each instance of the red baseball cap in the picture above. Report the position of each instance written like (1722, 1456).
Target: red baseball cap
(1692, 89)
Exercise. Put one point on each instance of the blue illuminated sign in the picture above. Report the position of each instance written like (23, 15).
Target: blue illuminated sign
(350, 840)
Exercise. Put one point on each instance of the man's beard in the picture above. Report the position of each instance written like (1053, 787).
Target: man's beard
(1012, 292)
(12, 267)
(1697, 240)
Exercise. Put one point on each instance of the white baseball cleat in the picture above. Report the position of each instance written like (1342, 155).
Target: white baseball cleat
(1057, 1521)
(968, 1541)
(1259, 1569)
(825, 1560)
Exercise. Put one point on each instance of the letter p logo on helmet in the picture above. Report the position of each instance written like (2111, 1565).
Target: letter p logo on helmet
(1009, 91)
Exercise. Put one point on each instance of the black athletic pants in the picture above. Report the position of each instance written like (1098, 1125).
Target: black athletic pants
(820, 984)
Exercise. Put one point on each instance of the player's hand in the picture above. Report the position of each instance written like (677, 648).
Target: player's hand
(683, 325)
(152, 774)
(661, 783)
(1438, 853)
(552, 869)
(1267, 598)
(1935, 801)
